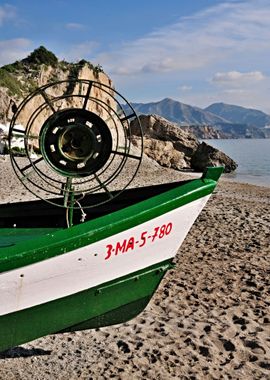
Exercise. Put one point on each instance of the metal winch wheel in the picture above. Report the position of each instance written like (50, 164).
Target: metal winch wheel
(72, 138)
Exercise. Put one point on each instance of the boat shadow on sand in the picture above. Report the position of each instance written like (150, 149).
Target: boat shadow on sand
(20, 352)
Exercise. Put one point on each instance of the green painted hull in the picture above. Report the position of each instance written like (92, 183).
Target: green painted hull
(114, 301)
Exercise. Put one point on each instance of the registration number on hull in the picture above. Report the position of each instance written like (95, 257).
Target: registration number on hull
(146, 237)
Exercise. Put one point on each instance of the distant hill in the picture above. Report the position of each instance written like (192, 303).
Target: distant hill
(230, 121)
(241, 115)
(178, 112)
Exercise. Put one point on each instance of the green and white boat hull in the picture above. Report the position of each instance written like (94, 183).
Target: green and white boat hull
(97, 273)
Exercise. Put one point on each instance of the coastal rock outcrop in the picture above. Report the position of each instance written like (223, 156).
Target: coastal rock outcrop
(177, 148)
(206, 155)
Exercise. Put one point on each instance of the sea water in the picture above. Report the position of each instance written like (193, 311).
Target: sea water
(252, 157)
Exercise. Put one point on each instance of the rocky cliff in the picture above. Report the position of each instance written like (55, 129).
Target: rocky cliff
(205, 132)
(179, 149)
(19, 79)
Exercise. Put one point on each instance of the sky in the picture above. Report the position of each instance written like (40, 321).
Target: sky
(198, 52)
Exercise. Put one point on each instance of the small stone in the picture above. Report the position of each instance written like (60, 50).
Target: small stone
(264, 365)
(207, 328)
(254, 346)
(251, 283)
(204, 351)
(123, 346)
(239, 321)
(228, 345)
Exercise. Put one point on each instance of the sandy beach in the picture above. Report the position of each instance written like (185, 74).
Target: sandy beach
(209, 319)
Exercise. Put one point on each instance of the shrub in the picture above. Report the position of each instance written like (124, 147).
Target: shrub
(41, 56)
(9, 81)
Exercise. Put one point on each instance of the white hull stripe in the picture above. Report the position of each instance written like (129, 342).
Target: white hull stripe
(116, 256)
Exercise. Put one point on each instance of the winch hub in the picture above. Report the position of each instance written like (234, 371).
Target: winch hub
(75, 142)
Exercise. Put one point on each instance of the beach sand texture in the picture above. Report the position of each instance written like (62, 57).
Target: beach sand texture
(209, 319)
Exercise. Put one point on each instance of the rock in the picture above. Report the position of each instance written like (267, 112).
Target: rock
(4, 102)
(255, 347)
(207, 328)
(174, 147)
(239, 321)
(204, 351)
(123, 346)
(264, 365)
(206, 155)
(163, 153)
(228, 345)
(165, 142)
(157, 127)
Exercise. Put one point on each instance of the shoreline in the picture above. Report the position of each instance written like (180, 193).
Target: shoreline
(209, 319)
(247, 180)
(252, 157)
(149, 173)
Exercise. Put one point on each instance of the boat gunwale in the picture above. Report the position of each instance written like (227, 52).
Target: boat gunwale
(66, 240)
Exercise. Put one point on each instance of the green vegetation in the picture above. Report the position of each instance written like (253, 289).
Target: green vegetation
(22, 76)
(73, 75)
(17, 151)
(74, 70)
(9, 81)
(13, 67)
(41, 56)
(97, 69)
(31, 85)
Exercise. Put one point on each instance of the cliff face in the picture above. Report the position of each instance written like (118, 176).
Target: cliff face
(5, 100)
(19, 79)
(205, 132)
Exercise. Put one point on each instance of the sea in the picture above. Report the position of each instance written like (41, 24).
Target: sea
(252, 157)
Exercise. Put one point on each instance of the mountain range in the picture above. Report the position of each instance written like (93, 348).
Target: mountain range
(230, 120)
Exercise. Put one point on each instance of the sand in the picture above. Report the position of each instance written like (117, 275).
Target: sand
(209, 319)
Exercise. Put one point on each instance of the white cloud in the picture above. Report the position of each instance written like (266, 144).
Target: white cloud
(235, 91)
(74, 26)
(185, 88)
(12, 50)
(237, 78)
(7, 13)
(251, 98)
(230, 29)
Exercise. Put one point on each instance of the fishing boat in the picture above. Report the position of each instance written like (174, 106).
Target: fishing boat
(92, 250)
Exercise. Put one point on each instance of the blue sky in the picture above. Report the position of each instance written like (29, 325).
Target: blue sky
(198, 52)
